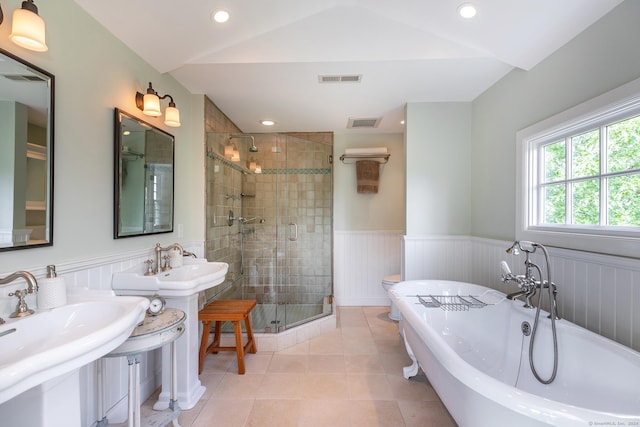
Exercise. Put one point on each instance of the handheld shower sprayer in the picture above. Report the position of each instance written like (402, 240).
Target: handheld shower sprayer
(506, 271)
(522, 246)
(529, 285)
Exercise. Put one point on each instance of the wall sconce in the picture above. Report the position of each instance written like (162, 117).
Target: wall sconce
(27, 29)
(231, 152)
(149, 103)
(254, 166)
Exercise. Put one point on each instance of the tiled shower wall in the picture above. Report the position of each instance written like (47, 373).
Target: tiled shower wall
(294, 188)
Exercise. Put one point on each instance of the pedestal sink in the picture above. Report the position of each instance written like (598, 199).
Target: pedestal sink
(180, 287)
(52, 344)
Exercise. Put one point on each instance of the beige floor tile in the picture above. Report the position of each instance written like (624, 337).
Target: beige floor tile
(326, 364)
(253, 363)
(210, 381)
(220, 362)
(302, 348)
(394, 362)
(324, 413)
(274, 413)
(329, 343)
(358, 341)
(289, 363)
(350, 317)
(281, 386)
(348, 377)
(390, 344)
(425, 414)
(415, 388)
(234, 386)
(376, 413)
(325, 386)
(227, 413)
(363, 364)
(369, 387)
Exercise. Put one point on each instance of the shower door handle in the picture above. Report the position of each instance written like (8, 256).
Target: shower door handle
(293, 231)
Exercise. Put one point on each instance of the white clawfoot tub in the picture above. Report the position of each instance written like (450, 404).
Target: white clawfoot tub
(477, 361)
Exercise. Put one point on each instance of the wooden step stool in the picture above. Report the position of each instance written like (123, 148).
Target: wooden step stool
(226, 311)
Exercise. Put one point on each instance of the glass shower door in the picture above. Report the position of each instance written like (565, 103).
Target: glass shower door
(306, 232)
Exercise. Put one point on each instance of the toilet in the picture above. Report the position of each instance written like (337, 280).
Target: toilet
(387, 283)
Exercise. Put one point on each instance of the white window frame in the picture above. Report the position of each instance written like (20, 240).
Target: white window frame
(618, 104)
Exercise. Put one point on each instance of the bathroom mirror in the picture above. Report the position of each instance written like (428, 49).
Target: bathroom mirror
(144, 162)
(26, 154)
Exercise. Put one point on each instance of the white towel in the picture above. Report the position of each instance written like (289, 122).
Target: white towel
(372, 150)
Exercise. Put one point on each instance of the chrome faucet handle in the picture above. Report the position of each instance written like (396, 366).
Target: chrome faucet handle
(149, 271)
(21, 309)
(167, 265)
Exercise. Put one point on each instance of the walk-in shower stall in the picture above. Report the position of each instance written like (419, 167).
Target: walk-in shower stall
(269, 215)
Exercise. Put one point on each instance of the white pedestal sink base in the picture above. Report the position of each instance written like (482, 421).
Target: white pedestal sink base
(190, 389)
(51, 404)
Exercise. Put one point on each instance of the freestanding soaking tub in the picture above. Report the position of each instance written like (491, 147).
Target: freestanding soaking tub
(477, 359)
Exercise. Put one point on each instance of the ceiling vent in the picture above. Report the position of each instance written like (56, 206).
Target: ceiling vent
(340, 78)
(371, 122)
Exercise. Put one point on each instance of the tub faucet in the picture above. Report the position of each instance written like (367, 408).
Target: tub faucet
(526, 282)
(22, 309)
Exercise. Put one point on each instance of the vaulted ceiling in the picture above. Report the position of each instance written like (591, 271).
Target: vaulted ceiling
(265, 62)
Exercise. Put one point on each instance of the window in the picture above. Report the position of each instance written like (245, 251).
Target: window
(579, 176)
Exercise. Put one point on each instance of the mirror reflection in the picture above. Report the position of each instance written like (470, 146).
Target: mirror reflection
(144, 162)
(26, 154)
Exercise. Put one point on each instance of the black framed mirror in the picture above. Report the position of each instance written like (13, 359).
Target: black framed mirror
(144, 170)
(26, 154)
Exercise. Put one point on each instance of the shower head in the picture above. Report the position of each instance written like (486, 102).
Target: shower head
(253, 147)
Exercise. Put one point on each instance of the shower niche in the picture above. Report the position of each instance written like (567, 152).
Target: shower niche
(269, 216)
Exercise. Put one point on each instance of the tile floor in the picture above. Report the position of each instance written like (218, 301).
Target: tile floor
(345, 378)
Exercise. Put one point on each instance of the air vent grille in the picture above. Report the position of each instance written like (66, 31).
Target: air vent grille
(340, 78)
(371, 122)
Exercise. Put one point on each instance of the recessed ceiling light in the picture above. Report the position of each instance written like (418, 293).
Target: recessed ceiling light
(267, 122)
(220, 16)
(467, 10)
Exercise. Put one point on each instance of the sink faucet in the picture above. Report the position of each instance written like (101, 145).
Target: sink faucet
(32, 287)
(158, 254)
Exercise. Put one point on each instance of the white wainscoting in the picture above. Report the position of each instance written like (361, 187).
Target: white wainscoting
(598, 292)
(361, 259)
(95, 273)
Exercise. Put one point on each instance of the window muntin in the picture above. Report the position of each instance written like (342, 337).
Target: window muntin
(580, 192)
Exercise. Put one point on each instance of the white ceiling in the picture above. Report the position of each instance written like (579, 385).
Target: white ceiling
(265, 61)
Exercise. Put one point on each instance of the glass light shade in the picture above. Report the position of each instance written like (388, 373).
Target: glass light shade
(258, 169)
(151, 105)
(252, 165)
(172, 117)
(236, 156)
(27, 30)
(467, 10)
(220, 16)
(228, 150)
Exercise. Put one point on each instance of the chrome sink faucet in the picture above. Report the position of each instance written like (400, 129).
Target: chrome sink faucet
(158, 255)
(22, 309)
